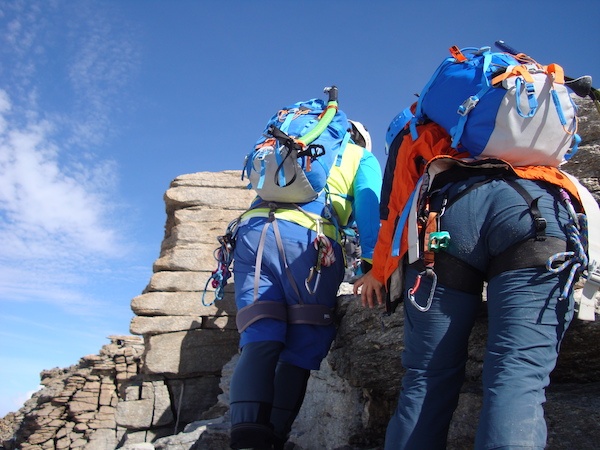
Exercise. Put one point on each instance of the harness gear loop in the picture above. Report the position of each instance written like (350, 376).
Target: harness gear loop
(430, 273)
(434, 240)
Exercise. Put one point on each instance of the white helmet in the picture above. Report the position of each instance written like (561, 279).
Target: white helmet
(360, 135)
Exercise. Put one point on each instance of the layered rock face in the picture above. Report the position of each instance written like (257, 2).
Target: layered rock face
(79, 405)
(166, 387)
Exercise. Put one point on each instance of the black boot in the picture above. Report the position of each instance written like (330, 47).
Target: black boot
(251, 436)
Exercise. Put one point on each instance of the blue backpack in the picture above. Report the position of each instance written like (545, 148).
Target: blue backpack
(291, 162)
(500, 105)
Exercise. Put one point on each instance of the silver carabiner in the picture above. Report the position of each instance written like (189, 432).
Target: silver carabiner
(411, 292)
(311, 275)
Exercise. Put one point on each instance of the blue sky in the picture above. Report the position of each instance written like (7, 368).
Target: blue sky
(104, 103)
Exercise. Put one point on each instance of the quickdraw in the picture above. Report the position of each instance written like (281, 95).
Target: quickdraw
(434, 241)
(325, 258)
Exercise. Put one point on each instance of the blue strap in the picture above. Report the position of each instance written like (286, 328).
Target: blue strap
(401, 222)
(261, 179)
(563, 121)
(471, 102)
(573, 150)
(559, 110)
(530, 90)
(340, 154)
(413, 128)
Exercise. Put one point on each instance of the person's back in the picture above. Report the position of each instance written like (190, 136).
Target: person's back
(452, 223)
(288, 265)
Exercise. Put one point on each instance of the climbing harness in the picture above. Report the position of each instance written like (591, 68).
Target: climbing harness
(524, 254)
(224, 257)
(301, 313)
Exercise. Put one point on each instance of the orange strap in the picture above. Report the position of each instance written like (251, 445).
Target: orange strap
(457, 54)
(431, 227)
(514, 71)
(557, 71)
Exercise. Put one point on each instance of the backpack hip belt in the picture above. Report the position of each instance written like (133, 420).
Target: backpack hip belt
(294, 213)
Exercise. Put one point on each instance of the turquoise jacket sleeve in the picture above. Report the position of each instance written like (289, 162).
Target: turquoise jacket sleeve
(367, 190)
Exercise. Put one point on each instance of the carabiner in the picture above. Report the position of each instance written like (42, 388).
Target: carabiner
(219, 291)
(413, 290)
(311, 275)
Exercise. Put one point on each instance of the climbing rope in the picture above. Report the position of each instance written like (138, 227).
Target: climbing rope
(577, 259)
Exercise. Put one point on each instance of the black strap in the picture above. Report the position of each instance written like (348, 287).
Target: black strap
(310, 314)
(455, 273)
(264, 309)
(292, 314)
(530, 253)
(538, 221)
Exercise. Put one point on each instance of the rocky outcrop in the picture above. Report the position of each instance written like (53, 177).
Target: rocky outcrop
(78, 406)
(166, 387)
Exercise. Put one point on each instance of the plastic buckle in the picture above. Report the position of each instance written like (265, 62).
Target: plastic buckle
(482, 50)
(530, 88)
(468, 105)
(540, 223)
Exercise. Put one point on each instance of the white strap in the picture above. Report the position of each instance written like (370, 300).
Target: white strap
(413, 228)
(587, 306)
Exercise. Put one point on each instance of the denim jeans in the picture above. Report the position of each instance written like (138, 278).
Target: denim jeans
(527, 320)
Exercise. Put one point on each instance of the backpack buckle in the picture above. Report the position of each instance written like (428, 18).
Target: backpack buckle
(468, 105)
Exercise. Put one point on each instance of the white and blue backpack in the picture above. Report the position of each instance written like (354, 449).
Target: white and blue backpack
(291, 162)
(500, 105)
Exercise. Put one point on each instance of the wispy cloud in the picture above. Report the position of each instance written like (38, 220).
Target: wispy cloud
(43, 204)
(64, 70)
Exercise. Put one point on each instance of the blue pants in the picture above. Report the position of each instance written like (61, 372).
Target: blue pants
(269, 382)
(305, 345)
(526, 323)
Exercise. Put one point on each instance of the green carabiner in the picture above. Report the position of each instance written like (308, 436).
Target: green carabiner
(438, 240)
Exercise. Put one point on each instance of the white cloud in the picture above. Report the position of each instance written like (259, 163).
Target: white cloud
(64, 248)
(40, 203)
(64, 72)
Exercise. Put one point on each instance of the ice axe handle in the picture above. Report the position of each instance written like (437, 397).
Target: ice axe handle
(582, 86)
(506, 48)
(332, 91)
